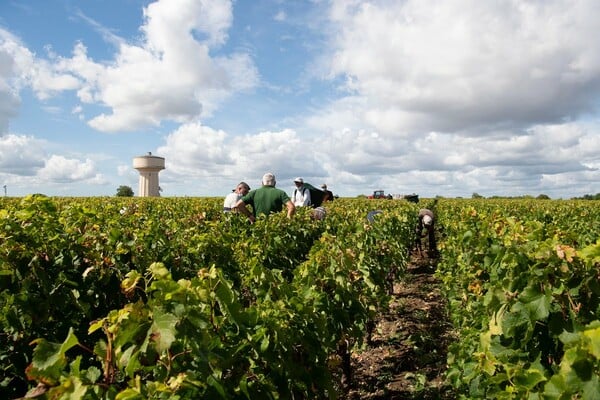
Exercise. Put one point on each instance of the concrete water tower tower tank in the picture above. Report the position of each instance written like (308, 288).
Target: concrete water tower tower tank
(149, 166)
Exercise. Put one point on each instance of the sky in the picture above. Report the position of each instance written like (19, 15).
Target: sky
(439, 98)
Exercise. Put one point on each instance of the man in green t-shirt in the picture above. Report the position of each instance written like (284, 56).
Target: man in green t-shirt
(265, 200)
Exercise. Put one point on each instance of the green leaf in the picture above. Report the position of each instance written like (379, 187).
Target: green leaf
(217, 385)
(159, 271)
(264, 344)
(49, 358)
(129, 394)
(594, 345)
(555, 388)
(495, 325)
(163, 329)
(569, 338)
(70, 341)
(74, 389)
(125, 356)
(130, 282)
(95, 325)
(591, 389)
(244, 386)
(227, 301)
(591, 253)
(530, 378)
(516, 321)
(93, 374)
(537, 303)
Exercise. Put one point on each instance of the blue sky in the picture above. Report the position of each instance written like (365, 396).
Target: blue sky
(415, 96)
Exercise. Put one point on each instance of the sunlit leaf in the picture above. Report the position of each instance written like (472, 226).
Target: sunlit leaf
(163, 329)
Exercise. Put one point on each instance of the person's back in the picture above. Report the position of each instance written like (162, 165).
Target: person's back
(426, 212)
(425, 222)
(266, 200)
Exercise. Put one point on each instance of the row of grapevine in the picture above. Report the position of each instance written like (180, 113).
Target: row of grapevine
(171, 298)
(523, 283)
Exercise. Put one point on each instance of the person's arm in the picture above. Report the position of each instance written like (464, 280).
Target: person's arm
(241, 207)
(291, 208)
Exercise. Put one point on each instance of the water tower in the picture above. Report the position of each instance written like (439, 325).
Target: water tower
(149, 166)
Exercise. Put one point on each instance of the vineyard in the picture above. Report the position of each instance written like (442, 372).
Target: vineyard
(169, 298)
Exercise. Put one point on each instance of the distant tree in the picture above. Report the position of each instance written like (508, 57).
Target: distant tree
(124, 191)
(588, 197)
(543, 197)
(476, 196)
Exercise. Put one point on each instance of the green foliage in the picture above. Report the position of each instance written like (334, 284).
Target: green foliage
(124, 191)
(522, 277)
(589, 197)
(171, 298)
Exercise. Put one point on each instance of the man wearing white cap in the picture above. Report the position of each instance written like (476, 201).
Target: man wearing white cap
(301, 195)
(425, 227)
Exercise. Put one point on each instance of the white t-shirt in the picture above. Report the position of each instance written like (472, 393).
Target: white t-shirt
(230, 200)
(301, 197)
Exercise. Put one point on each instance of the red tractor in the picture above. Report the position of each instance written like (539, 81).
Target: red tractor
(379, 194)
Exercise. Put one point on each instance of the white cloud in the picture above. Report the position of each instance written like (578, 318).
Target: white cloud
(61, 169)
(444, 98)
(197, 150)
(9, 96)
(280, 16)
(22, 155)
(125, 170)
(169, 75)
(21, 68)
(465, 65)
(25, 164)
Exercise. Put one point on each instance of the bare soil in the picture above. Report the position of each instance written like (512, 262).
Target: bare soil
(406, 358)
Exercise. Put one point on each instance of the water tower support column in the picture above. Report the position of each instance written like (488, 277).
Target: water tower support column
(149, 166)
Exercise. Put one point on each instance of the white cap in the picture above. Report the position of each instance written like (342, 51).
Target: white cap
(427, 220)
(299, 180)
(324, 186)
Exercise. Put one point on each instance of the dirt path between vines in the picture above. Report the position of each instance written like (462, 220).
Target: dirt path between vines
(407, 356)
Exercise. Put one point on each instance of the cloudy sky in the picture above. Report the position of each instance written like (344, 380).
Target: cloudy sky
(445, 98)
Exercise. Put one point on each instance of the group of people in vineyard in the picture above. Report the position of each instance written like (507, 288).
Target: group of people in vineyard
(268, 199)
